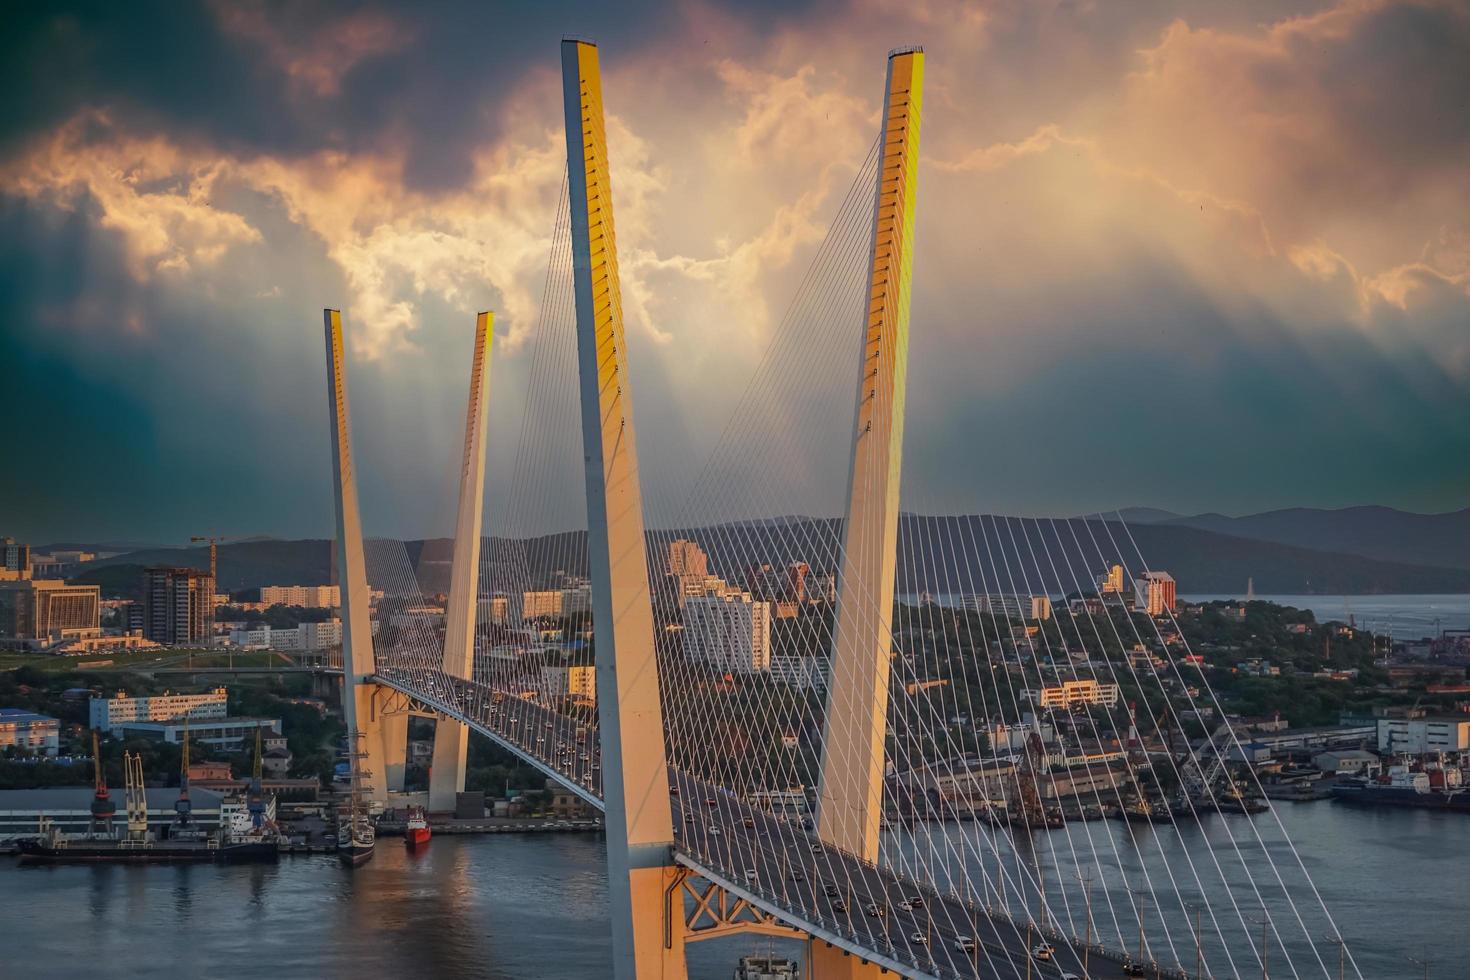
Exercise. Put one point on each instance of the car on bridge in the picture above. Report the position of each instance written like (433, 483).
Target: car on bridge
(1043, 952)
(964, 944)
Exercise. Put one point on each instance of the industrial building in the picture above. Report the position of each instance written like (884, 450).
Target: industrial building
(69, 808)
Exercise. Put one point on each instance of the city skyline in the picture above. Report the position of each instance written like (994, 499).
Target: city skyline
(1249, 216)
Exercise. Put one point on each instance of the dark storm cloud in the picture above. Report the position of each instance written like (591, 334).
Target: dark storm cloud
(1174, 253)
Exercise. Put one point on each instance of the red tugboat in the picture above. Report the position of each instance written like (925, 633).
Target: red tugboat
(416, 832)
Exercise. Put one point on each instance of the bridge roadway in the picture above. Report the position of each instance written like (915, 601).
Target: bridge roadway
(773, 863)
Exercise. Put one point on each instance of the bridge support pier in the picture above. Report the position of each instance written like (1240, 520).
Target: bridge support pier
(830, 963)
(451, 737)
(358, 662)
(635, 782)
(850, 787)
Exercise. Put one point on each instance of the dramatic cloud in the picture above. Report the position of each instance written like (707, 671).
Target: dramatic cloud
(1143, 231)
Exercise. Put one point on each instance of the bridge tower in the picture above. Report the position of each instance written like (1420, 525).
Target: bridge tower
(451, 737)
(384, 738)
(635, 778)
(850, 789)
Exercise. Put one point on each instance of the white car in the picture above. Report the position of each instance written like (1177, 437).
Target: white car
(1043, 952)
(750, 874)
(906, 906)
(964, 944)
(919, 939)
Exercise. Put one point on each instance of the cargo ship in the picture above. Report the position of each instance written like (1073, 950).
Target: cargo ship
(1431, 786)
(53, 847)
(416, 832)
(186, 841)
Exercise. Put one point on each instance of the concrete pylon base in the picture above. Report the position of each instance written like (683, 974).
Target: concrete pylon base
(658, 929)
(446, 778)
(831, 963)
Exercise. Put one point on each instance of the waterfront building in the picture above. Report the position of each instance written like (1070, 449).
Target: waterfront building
(1154, 593)
(731, 633)
(47, 609)
(105, 714)
(306, 596)
(177, 605)
(29, 731)
(69, 809)
(1423, 736)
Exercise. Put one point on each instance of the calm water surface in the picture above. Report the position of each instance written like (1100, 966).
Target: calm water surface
(534, 906)
(1405, 617)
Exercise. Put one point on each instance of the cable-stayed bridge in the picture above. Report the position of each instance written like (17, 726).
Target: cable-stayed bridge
(892, 737)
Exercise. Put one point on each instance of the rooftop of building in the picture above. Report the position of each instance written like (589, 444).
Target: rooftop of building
(13, 715)
(56, 799)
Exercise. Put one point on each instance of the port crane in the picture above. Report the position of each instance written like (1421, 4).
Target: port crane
(103, 809)
(136, 796)
(255, 798)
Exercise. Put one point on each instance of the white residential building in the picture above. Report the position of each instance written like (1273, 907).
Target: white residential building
(306, 596)
(731, 633)
(800, 672)
(107, 713)
(1069, 694)
(320, 636)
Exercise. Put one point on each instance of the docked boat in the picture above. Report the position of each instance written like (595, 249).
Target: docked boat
(356, 841)
(416, 832)
(356, 837)
(1145, 811)
(56, 848)
(1426, 787)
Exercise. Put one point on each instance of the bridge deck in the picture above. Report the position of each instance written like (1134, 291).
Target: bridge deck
(772, 862)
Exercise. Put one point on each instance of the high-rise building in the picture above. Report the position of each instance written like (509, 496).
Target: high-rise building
(687, 558)
(796, 574)
(177, 605)
(731, 633)
(1154, 593)
(15, 558)
(46, 609)
(1112, 582)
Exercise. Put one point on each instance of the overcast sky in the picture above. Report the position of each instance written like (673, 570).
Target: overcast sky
(1191, 255)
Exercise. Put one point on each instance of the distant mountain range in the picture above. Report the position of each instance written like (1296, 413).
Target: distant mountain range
(1357, 550)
